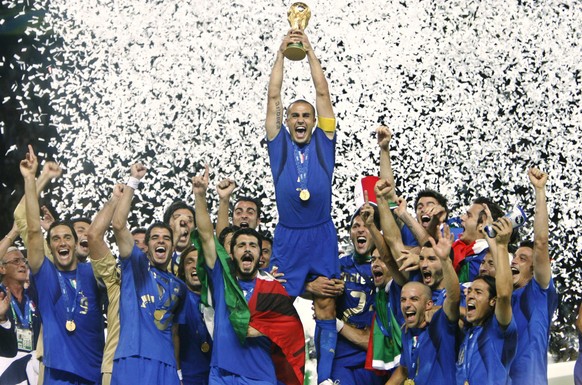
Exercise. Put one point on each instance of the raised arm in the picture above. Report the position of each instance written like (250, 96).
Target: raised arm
(274, 118)
(8, 239)
(541, 254)
(96, 233)
(421, 235)
(323, 103)
(35, 249)
(442, 249)
(205, 230)
(503, 277)
(384, 136)
(123, 236)
(224, 188)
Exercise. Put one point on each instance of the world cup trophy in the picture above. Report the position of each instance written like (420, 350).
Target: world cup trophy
(298, 17)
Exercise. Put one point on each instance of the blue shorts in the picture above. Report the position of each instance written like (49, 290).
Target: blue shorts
(223, 377)
(60, 377)
(131, 370)
(356, 376)
(305, 254)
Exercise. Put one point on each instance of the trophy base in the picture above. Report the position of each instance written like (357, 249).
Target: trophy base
(295, 52)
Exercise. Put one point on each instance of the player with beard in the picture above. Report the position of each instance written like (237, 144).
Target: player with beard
(429, 347)
(81, 225)
(246, 211)
(152, 298)
(181, 213)
(302, 160)
(534, 297)
(252, 310)
(490, 332)
(67, 295)
(196, 342)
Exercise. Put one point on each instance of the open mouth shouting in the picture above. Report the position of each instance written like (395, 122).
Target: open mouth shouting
(246, 261)
(84, 243)
(301, 132)
(427, 277)
(378, 275)
(410, 317)
(160, 252)
(471, 308)
(244, 225)
(425, 220)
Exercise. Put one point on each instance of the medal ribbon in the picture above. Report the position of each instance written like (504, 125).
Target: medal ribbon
(25, 321)
(200, 325)
(414, 354)
(70, 305)
(469, 346)
(302, 165)
(160, 292)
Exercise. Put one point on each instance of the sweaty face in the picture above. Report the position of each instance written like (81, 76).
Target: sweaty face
(62, 245)
(191, 274)
(431, 269)
(422, 207)
(361, 237)
(522, 267)
(379, 271)
(246, 255)
(300, 121)
(139, 239)
(160, 247)
(266, 252)
(479, 306)
(472, 229)
(245, 215)
(414, 302)
(487, 266)
(14, 267)
(82, 249)
(186, 220)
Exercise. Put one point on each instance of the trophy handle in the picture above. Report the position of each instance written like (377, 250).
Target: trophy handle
(295, 52)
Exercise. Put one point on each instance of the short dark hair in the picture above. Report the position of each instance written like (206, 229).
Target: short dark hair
(159, 225)
(267, 236)
(177, 205)
(428, 193)
(183, 254)
(376, 216)
(224, 233)
(490, 281)
(301, 101)
(249, 199)
(246, 231)
(61, 223)
(139, 230)
(496, 211)
(80, 219)
(529, 244)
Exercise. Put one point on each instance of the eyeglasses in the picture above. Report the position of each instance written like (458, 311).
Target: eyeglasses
(17, 262)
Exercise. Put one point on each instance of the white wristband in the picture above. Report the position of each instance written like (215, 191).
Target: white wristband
(339, 325)
(6, 324)
(180, 374)
(133, 182)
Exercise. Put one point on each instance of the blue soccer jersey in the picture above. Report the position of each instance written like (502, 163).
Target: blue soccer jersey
(151, 301)
(429, 353)
(196, 346)
(229, 355)
(486, 353)
(533, 308)
(64, 296)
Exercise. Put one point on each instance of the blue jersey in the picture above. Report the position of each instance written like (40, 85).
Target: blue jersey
(533, 308)
(80, 294)
(253, 359)
(486, 353)
(429, 353)
(151, 301)
(578, 365)
(355, 307)
(196, 343)
(319, 160)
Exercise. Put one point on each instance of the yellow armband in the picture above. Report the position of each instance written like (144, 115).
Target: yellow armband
(326, 124)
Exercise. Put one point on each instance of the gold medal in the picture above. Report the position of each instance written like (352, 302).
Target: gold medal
(70, 325)
(408, 381)
(159, 314)
(466, 382)
(304, 195)
(205, 347)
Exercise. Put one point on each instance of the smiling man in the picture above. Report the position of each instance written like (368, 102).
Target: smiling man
(302, 159)
(151, 300)
(67, 296)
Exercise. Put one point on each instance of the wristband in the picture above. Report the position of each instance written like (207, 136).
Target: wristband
(339, 325)
(180, 374)
(6, 324)
(133, 182)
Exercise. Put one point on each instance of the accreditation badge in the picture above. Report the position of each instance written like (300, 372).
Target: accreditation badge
(24, 338)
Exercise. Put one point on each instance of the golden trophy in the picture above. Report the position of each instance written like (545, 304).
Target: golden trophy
(298, 17)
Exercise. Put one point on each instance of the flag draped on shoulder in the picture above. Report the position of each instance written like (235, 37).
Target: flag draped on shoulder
(385, 343)
(238, 309)
(273, 314)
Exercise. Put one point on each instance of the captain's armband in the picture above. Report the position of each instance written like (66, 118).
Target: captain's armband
(326, 124)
